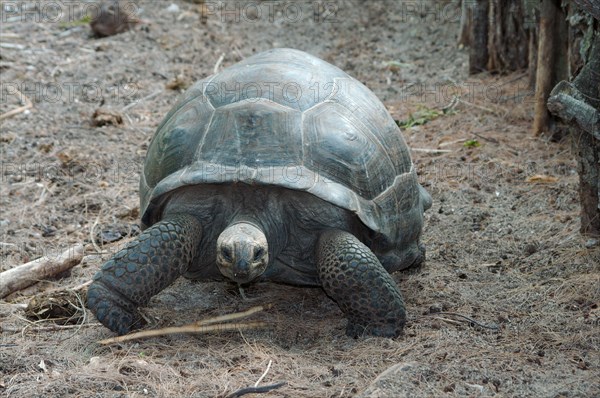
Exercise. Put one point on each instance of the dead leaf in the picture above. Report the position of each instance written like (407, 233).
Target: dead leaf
(42, 365)
(179, 82)
(542, 179)
(104, 117)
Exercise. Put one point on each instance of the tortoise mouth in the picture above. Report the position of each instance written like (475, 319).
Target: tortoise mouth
(240, 274)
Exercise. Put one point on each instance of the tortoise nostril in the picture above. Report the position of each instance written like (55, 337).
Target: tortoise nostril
(242, 266)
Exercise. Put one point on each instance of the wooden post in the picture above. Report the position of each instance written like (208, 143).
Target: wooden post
(546, 57)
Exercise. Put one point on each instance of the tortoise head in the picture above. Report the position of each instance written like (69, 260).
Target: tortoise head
(242, 252)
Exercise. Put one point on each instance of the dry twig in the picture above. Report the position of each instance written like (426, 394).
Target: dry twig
(472, 321)
(264, 374)
(430, 150)
(489, 139)
(27, 104)
(202, 326)
(136, 103)
(231, 317)
(218, 64)
(483, 108)
(192, 328)
(255, 390)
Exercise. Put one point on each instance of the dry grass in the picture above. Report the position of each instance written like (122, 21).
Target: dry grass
(501, 250)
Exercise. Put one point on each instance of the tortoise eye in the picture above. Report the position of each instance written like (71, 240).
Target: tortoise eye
(226, 253)
(258, 253)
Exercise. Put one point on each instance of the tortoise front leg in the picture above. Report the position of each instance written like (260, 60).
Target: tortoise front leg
(143, 268)
(353, 276)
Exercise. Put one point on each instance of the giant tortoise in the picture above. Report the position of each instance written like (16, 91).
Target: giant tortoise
(280, 168)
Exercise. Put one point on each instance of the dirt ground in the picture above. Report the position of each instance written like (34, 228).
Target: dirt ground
(502, 235)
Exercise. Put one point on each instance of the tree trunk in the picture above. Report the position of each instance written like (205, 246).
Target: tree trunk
(533, 57)
(588, 168)
(545, 66)
(579, 103)
(508, 43)
(588, 83)
(591, 6)
(466, 15)
(478, 53)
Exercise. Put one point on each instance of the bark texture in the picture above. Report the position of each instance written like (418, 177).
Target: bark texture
(478, 52)
(545, 65)
(578, 103)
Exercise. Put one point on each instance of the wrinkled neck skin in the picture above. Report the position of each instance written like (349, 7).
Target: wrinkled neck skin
(262, 210)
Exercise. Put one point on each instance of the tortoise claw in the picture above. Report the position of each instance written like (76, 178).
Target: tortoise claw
(112, 309)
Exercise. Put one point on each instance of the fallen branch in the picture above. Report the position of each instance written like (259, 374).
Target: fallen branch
(568, 103)
(34, 271)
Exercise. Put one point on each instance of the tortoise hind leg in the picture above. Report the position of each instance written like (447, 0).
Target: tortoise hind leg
(353, 276)
(143, 268)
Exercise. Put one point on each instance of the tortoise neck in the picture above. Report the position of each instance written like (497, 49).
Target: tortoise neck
(246, 219)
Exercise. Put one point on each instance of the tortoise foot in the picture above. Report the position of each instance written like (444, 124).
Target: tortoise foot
(353, 276)
(113, 310)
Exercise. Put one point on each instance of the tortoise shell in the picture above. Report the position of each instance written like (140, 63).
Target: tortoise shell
(288, 119)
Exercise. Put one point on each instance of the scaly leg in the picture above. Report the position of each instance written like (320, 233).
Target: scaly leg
(142, 269)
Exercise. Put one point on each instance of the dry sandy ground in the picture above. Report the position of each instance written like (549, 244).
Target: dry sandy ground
(502, 235)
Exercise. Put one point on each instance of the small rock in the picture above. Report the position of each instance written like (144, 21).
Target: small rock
(173, 8)
(110, 236)
(113, 19)
(591, 243)
(530, 248)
